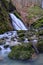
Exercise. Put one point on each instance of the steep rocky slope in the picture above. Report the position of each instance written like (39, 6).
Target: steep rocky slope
(5, 23)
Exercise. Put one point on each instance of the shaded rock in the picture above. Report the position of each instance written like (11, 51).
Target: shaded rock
(0, 48)
(2, 42)
(1, 58)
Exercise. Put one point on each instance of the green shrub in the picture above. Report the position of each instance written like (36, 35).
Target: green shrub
(22, 52)
(17, 14)
(40, 46)
(34, 12)
(5, 23)
(38, 24)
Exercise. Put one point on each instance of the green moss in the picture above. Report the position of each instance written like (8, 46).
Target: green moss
(23, 52)
(17, 14)
(5, 23)
(40, 45)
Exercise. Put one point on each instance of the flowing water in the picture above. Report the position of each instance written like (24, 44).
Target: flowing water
(8, 34)
(6, 61)
(17, 23)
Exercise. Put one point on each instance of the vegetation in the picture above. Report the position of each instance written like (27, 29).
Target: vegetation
(35, 11)
(38, 24)
(41, 32)
(5, 8)
(35, 16)
(22, 52)
(17, 14)
(5, 23)
(40, 45)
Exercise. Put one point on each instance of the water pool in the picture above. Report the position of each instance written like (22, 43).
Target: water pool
(7, 61)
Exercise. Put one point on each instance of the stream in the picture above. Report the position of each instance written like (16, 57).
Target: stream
(6, 61)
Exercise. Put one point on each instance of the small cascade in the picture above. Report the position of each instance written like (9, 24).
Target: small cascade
(3, 51)
(8, 34)
(17, 23)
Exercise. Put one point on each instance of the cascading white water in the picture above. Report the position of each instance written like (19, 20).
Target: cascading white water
(17, 23)
(8, 34)
(3, 51)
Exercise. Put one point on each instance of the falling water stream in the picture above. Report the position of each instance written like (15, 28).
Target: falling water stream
(17, 23)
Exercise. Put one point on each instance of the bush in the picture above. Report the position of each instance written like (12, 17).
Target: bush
(22, 52)
(25, 55)
(38, 24)
(5, 23)
(21, 35)
(17, 14)
(40, 46)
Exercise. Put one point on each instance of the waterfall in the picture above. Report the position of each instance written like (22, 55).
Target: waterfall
(17, 23)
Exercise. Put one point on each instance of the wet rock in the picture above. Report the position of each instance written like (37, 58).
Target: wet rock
(2, 42)
(0, 48)
(1, 58)
(6, 46)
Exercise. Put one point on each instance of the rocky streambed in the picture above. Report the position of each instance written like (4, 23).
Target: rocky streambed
(20, 42)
